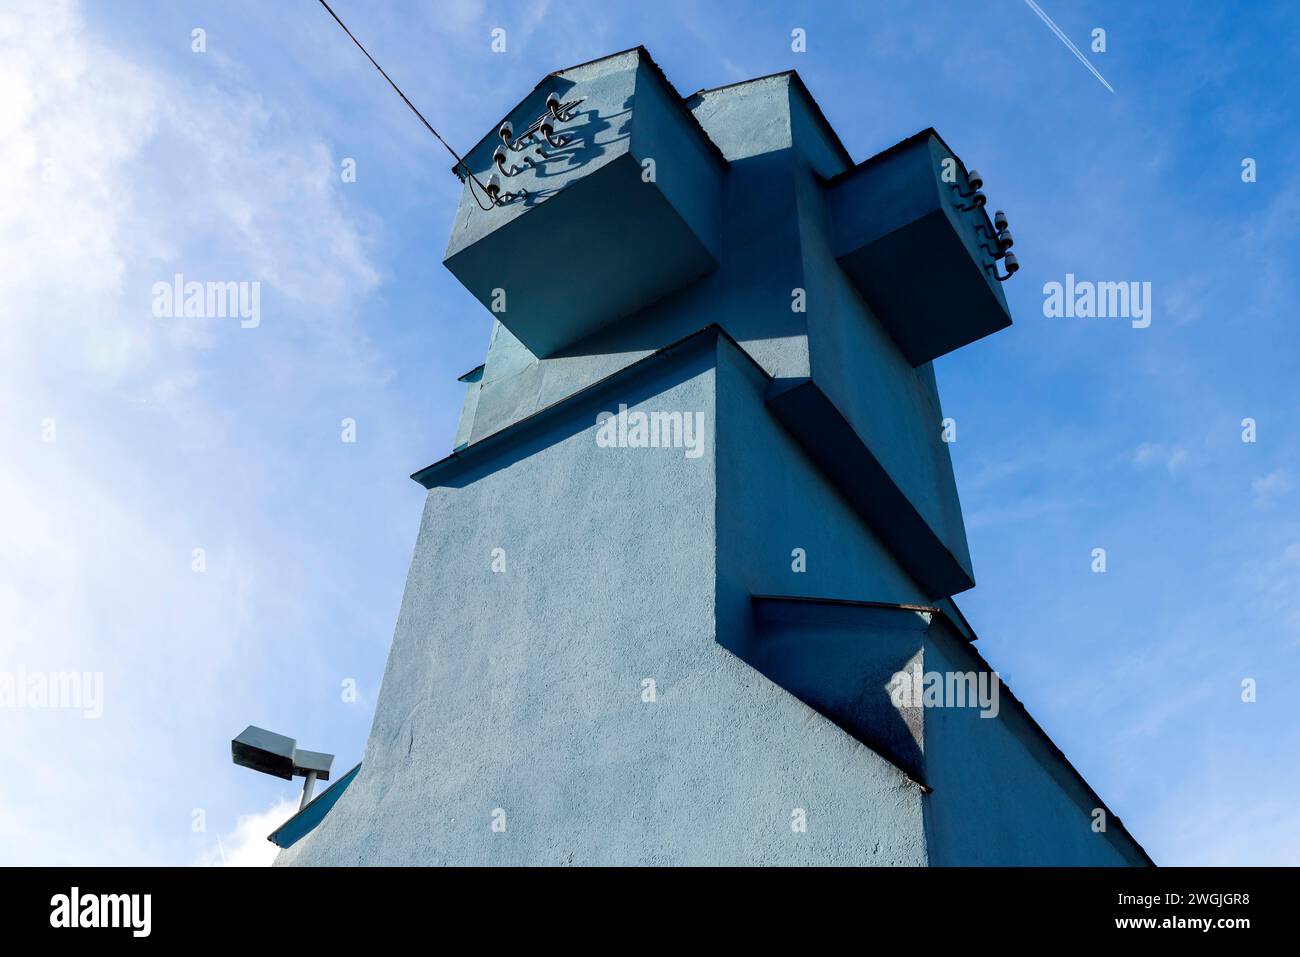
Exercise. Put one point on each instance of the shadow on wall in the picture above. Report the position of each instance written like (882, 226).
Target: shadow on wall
(759, 268)
(840, 660)
(579, 149)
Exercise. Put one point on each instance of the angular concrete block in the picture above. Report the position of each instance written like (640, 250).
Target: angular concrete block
(625, 211)
(923, 262)
(841, 659)
(941, 568)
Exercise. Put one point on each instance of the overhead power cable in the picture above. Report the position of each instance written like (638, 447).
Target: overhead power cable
(429, 126)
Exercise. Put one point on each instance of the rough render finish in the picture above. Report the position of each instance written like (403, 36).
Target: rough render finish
(776, 237)
(522, 690)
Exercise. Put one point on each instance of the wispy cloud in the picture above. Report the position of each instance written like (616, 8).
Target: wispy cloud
(1276, 482)
(119, 173)
(246, 845)
(1173, 458)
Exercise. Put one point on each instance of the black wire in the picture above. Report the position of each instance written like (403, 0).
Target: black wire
(463, 165)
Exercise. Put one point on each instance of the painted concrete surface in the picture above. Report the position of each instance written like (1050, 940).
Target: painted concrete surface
(522, 690)
(777, 237)
(555, 580)
(1001, 794)
(621, 209)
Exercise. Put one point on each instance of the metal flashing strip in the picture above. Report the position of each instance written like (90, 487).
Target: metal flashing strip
(305, 821)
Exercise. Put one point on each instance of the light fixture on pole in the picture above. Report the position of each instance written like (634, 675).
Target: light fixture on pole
(276, 754)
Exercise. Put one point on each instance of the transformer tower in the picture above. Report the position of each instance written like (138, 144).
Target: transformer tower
(698, 540)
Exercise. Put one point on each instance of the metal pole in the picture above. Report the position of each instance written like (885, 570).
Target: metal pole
(307, 789)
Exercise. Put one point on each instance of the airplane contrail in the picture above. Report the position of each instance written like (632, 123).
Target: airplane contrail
(1066, 40)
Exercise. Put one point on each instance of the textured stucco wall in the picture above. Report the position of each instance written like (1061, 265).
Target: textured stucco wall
(1000, 793)
(749, 293)
(777, 237)
(893, 406)
(772, 500)
(1002, 796)
(522, 690)
(607, 126)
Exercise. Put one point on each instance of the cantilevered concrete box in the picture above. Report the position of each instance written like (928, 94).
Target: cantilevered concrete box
(923, 262)
(936, 556)
(624, 212)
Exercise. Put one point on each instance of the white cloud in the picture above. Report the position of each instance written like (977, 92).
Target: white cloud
(118, 173)
(1174, 458)
(1271, 485)
(1275, 582)
(246, 845)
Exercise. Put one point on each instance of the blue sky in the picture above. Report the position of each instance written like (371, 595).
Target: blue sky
(128, 157)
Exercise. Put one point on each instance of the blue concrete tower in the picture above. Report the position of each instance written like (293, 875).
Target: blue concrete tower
(682, 593)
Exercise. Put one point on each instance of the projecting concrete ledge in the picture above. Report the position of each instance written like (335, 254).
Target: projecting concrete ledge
(917, 252)
(448, 470)
(834, 445)
(829, 440)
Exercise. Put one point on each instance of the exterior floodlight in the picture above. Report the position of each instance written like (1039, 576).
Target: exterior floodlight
(275, 754)
(1000, 221)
